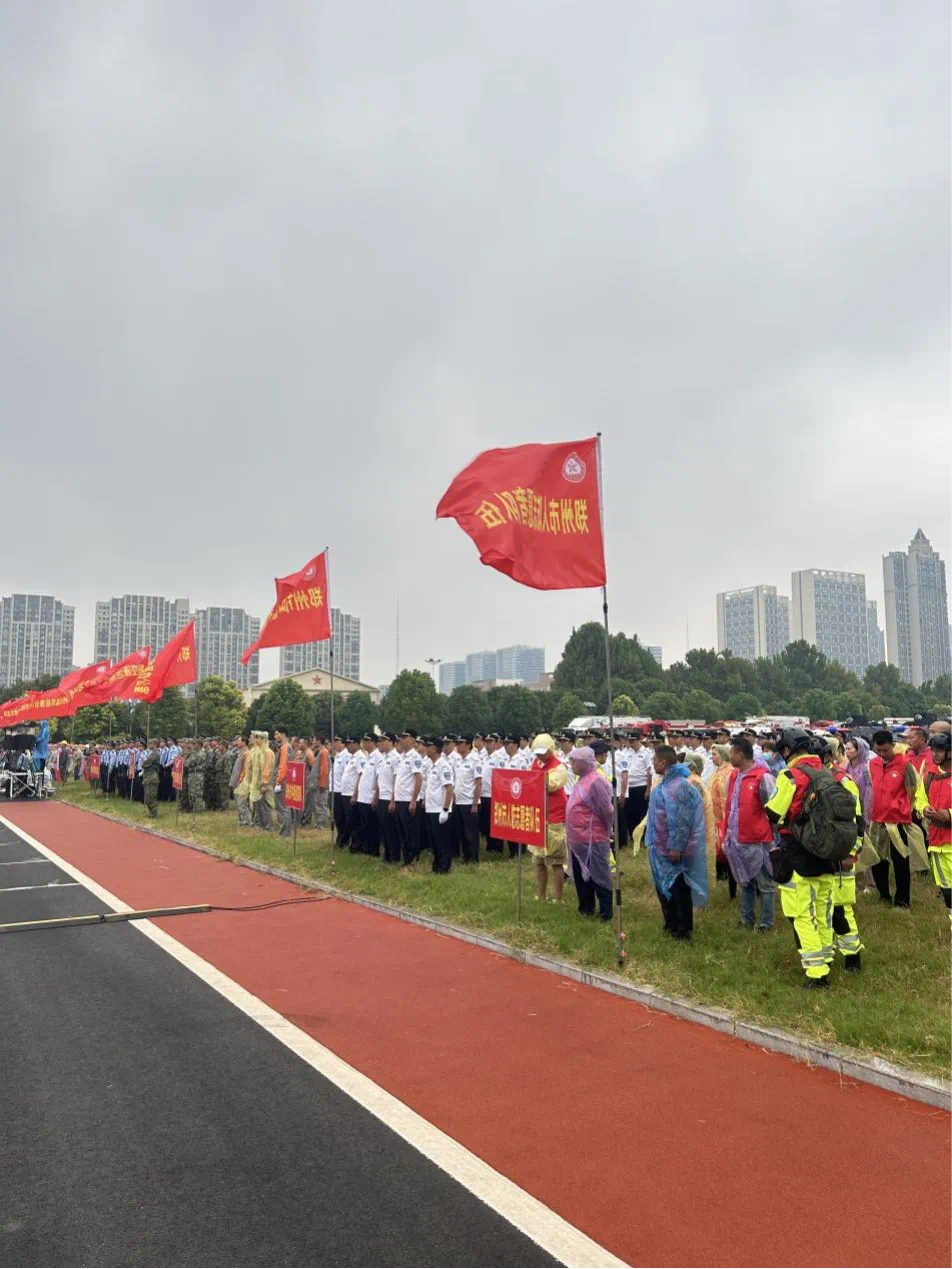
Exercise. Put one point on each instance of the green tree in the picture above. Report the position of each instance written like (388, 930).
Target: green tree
(468, 711)
(569, 706)
(322, 713)
(663, 705)
(358, 715)
(582, 665)
(623, 705)
(218, 708)
(701, 705)
(22, 686)
(172, 714)
(517, 711)
(742, 705)
(413, 701)
(818, 705)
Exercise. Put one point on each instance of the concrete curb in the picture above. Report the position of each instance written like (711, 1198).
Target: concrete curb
(850, 1066)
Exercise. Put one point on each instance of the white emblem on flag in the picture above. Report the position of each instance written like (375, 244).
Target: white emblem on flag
(516, 788)
(309, 572)
(573, 469)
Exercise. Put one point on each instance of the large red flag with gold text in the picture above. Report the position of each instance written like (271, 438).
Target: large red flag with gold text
(112, 683)
(174, 665)
(301, 612)
(533, 512)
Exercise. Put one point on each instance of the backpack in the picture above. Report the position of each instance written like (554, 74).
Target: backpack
(826, 826)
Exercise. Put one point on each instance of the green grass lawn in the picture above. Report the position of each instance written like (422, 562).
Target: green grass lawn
(898, 1007)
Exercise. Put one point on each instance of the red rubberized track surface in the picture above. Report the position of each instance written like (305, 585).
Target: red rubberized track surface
(776, 1164)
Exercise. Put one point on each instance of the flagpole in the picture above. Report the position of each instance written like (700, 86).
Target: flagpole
(330, 747)
(619, 932)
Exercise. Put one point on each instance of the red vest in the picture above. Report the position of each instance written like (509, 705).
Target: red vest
(891, 804)
(920, 760)
(556, 799)
(940, 796)
(753, 827)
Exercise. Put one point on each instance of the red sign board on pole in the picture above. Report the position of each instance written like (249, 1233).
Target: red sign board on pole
(93, 766)
(518, 807)
(178, 767)
(294, 786)
(131, 770)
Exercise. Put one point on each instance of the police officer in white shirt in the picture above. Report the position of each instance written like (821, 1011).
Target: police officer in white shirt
(623, 767)
(348, 796)
(566, 745)
(466, 799)
(408, 791)
(384, 801)
(439, 805)
(525, 752)
(640, 777)
(495, 758)
(366, 795)
(338, 801)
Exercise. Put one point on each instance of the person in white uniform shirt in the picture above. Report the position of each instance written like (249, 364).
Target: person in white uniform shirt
(496, 757)
(623, 766)
(566, 744)
(466, 798)
(346, 788)
(384, 800)
(640, 778)
(408, 793)
(366, 792)
(525, 752)
(439, 805)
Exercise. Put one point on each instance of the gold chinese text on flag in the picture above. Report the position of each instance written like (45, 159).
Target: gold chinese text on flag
(301, 612)
(533, 512)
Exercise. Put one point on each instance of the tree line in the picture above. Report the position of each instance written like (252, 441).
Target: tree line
(706, 685)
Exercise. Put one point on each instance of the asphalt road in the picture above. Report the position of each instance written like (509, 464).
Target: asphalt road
(147, 1121)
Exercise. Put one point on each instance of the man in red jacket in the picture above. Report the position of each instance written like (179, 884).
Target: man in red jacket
(748, 833)
(938, 813)
(898, 800)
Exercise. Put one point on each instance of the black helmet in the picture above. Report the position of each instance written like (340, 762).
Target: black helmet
(941, 740)
(794, 738)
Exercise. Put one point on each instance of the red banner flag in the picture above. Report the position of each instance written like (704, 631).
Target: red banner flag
(92, 769)
(174, 665)
(518, 806)
(113, 682)
(178, 773)
(533, 512)
(294, 786)
(78, 680)
(301, 612)
(12, 712)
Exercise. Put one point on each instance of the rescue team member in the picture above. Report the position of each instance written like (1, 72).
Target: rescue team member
(898, 799)
(747, 833)
(467, 789)
(496, 751)
(551, 858)
(345, 783)
(805, 881)
(845, 928)
(938, 813)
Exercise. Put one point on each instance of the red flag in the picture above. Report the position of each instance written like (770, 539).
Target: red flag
(300, 614)
(76, 679)
(173, 665)
(533, 512)
(112, 683)
(11, 712)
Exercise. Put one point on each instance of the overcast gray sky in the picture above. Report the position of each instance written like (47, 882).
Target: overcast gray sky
(273, 273)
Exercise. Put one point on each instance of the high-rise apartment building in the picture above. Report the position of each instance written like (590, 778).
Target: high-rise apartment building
(656, 651)
(345, 629)
(753, 622)
(452, 675)
(128, 622)
(480, 667)
(521, 662)
(875, 635)
(917, 611)
(828, 609)
(221, 635)
(36, 637)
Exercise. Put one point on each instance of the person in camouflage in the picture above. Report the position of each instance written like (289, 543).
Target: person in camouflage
(151, 770)
(183, 802)
(195, 778)
(210, 779)
(223, 768)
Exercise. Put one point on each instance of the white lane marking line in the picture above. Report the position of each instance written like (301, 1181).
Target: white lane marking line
(546, 1228)
(11, 863)
(50, 885)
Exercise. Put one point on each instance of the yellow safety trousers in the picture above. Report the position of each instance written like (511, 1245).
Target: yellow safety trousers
(808, 902)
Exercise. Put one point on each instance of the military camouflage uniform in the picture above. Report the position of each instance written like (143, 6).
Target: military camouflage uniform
(223, 768)
(183, 802)
(151, 769)
(195, 778)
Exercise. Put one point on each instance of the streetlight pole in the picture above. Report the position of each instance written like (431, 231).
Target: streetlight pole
(432, 662)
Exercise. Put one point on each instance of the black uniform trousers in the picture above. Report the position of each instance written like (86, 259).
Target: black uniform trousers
(588, 892)
(389, 833)
(678, 909)
(467, 832)
(440, 842)
(342, 819)
(880, 873)
(411, 830)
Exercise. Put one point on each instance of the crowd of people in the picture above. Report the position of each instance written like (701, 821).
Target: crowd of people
(810, 815)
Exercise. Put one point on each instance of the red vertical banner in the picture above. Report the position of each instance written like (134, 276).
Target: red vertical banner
(178, 768)
(294, 786)
(92, 768)
(131, 769)
(518, 807)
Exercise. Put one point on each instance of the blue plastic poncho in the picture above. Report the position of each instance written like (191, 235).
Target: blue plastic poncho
(41, 750)
(676, 827)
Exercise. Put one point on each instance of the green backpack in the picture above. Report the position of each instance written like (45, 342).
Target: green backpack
(826, 826)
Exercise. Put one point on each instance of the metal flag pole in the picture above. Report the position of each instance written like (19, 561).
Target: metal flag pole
(330, 748)
(619, 932)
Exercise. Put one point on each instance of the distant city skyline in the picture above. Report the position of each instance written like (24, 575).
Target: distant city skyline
(517, 663)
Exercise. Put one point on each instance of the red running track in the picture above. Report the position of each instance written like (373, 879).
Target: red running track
(518, 1065)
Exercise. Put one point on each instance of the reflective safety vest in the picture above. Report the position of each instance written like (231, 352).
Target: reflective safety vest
(753, 827)
(891, 804)
(939, 793)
